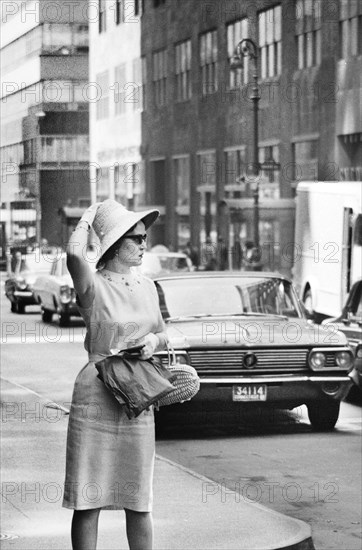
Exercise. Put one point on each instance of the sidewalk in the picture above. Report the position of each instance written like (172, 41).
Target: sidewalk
(190, 512)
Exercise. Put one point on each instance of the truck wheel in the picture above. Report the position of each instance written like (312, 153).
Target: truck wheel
(308, 301)
(46, 316)
(323, 415)
(64, 319)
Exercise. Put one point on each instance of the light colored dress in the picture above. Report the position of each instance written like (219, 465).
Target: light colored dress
(110, 458)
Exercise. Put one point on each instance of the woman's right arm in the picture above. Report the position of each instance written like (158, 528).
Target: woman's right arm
(77, 263)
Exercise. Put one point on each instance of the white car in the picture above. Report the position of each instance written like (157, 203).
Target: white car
(55, 293)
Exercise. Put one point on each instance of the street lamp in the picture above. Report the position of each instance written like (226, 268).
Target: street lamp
(39, 115)
(248, 48)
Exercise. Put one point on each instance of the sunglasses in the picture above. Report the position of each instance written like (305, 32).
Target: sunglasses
(138, 239)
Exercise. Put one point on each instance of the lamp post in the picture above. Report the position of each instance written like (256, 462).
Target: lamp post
(39, 115)
(248, 48)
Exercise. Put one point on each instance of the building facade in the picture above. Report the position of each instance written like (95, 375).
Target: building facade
(198, 122)
(45, 119)
(116, 168)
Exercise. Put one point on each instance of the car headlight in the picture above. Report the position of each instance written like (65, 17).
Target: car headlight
(65, 294)
(344, 359)
(359, 351)
(317, 360)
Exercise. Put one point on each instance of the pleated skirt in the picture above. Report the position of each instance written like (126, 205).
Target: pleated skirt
(110, 458)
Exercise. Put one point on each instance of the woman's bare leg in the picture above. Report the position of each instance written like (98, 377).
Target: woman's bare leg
(139, 530)
(85, 529)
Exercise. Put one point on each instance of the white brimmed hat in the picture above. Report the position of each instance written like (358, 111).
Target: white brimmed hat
(113, 220)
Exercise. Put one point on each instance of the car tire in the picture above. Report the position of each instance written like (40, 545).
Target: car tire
(323, 415)
(46, 316)
(20, 308)
(64, 319)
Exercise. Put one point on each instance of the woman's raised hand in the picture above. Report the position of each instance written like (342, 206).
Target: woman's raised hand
(90, 213)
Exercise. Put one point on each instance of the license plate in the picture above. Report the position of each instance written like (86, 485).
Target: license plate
(249, 392)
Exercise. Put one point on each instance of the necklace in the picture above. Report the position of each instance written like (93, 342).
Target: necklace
(129, 280)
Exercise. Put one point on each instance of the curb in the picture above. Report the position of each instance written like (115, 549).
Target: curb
(301, 541)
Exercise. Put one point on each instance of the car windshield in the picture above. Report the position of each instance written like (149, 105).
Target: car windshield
(173, 263)
(37, 263)
(190, 297)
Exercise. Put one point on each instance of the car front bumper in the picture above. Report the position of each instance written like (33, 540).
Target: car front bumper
(24, 296)
(288, 390)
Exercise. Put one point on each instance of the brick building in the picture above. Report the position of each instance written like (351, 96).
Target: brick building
(44, 107)
(198, 126)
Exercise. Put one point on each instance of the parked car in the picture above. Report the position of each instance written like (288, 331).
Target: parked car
(23, 271)
(55, 293)
(251, 343)
(350, 323)
(162, 263)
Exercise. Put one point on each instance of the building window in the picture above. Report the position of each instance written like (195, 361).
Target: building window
(235, 176)
(352, 149)
(102, 16)
(350, 28)
(160, 77)
(102, 181)
(120, 89)
(308, 32)
(207, 189)
(270, 173)
(183, 70)
(65, 149)
(270, 42)
(181, 166)
(137, 84)
(305, 160)
(208, 62)
(102, 80)
(235, 33)
(181, 172)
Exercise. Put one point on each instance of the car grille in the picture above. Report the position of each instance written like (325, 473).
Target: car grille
(229, 361)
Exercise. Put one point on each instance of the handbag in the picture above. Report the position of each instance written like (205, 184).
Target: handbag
(187, 382)
(135, 383)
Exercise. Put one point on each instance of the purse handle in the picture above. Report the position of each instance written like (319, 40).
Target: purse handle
(171, 351)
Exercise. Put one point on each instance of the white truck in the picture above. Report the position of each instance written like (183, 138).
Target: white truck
(328, 244)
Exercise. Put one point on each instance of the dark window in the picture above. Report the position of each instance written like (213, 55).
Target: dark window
(183, 70)
(308, 32)
(160, 77)
(358, 231)
(270, 41)
(101, 16)
(119, 14)
(208, 62)
(350, 29)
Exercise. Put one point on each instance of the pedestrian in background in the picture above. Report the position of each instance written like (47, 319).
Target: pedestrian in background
(110, 458)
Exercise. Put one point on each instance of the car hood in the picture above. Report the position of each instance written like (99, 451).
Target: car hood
(61, 280)
(352, 330)
(251, 331)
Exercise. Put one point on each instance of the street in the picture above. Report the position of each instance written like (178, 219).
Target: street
(272, 458)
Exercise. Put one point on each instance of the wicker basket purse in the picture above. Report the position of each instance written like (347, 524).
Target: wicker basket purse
(187, 381)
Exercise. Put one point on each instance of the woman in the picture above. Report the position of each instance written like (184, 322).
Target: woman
(110, 457)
